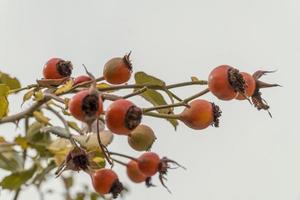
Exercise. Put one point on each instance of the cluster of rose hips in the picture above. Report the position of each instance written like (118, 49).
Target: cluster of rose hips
(123, 117)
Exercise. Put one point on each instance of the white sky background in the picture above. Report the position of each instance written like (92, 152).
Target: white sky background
(251, 157)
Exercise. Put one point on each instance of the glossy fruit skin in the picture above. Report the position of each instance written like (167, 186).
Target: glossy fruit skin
(50, 70)
(149, 163)
(250, 86)
(117, 71)
(141, 138)
(103, 180)
(199, 116)
(134, 173)
(81, 79)
(218, 83)
(75, 106)
(115, 116)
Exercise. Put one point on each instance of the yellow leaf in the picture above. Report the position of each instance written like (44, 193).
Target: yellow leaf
(65, 88)
(11, 82)
(22, 142)
(74, 126)
(40, 117)
(28, 95)
(194, 78)
(2, 140)
(66, 100)
(65, 112)
(104, 86)
(3, 100)
(38, 95)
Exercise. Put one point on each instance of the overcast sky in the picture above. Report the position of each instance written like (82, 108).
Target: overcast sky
(250, 157)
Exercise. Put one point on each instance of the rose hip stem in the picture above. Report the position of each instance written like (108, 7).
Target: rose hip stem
(122, 155)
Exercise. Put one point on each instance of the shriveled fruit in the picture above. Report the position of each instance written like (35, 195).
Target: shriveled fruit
(86, 106)
(106, 181)
(122, 116)
(225, 82)
(250, 85)
(134, 173)
(118, 70)
(141, 138)
(201, 114)
(57, 68)
(149, 163)
(81, 79)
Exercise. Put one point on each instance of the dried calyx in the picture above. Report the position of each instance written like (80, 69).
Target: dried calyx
(64, 68)
(116, 188)
(236, 80)
(256, 98)
(163, 167)
(127, 60)
(76, 160)
(90, 105)
(217, 114)
(133, 117)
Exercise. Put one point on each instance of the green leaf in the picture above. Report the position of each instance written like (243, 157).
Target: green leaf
(38, 140)
(9, 159)
(3, 100)
(33, 133)
(27, 96)
(57, 130)
(11, 82)
(40, 117)
(42, 174)
(74, 126)
(152, 96)
(68, 181)
(17, 179)
(22, 142)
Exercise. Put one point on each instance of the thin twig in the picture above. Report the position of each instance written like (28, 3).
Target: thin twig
(182, 103)
(102, 147)
(27, 112)
(65, 123)
(162, 115)
(122, 155)
(137, 92)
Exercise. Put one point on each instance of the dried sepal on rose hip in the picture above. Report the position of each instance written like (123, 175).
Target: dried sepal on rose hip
(57, 68)
(122, 116)
(225, 82)
(106, 181)
(150, 163)
(256, 97)
(118, 70)
(76, 160)
(200, 114)
(141, 138)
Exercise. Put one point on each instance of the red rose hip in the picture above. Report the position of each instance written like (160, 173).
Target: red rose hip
(122, 116)
(86, 106)
(106, 181)
(57, 68)
(118, 70)
(225, 82)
